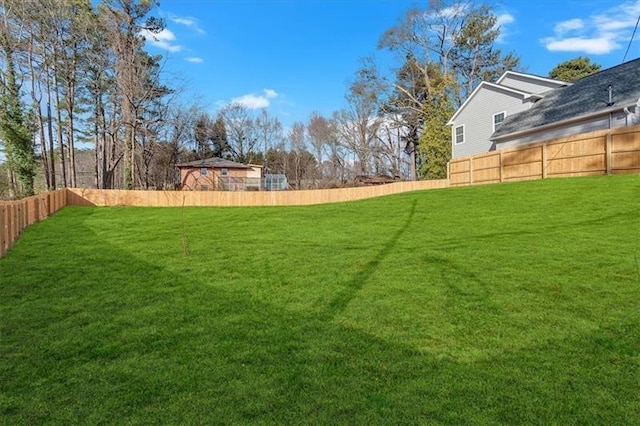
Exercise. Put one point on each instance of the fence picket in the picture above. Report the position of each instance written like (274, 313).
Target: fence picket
(594, 153)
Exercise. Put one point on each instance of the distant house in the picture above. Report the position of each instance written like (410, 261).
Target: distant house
(217, 174)
(605, 100)
(490, 104)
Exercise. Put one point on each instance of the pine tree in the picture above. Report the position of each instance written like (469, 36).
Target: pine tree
(16, 123)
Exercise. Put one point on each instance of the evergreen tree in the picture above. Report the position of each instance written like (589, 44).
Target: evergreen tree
(219, 138)
(435, 141)
(16, 124)
(574, 69)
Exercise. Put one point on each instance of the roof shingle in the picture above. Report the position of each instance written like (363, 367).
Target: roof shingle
(586, 96)
(214, 162)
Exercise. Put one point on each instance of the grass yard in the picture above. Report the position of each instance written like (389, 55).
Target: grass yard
(514, 304)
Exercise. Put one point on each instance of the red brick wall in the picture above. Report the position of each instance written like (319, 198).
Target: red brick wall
(192, 180)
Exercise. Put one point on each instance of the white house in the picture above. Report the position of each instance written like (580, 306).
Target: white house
(490, 104)
(604, 100)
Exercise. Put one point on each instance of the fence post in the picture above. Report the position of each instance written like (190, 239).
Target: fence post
(607, 154)
(19, 217)
(3, 231)
(9, 226)
(48, 204)
(25, 216)
(471, 171)
(544, 161)
(42, 207)
(35, 213)
(25, 213)
(501, 167)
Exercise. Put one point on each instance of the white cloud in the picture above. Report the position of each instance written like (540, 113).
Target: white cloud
(188, 22)
(505, 19)
(256, 101)
(502, 21)
(163, 40)
(604, 23)
(194, 59)
(567, 26)
(452, 11)
(270, 93)
(594, 46)
(597, 34)
(251, 101)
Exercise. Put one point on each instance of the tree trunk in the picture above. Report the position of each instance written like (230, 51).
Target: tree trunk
(70, 129)
(52, 161)
(63, 161)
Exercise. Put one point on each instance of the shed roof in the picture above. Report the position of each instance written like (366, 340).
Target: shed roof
(213, 163)
(586, 97)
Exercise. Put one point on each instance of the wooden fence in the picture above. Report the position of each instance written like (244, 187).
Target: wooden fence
(102, 197)
(15, 216)
(596, 153)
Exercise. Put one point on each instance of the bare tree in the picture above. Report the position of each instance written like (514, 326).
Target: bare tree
(392, 158)
(125, 21)
(320, 135)
(334, 167)
(177, 133)
(358, 124)
(241, 133)
(269, 133)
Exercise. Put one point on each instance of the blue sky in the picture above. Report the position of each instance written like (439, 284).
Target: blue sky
(296, 56)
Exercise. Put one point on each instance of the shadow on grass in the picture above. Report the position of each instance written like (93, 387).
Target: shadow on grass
(564, 227)
(141, 345)
(342, 299)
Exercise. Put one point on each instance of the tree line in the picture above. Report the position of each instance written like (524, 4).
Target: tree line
(76, 74)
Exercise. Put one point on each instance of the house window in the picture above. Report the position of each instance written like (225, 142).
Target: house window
(204, 187)
(204, 171)
(224, 172)
(497, 119)
(459, 134)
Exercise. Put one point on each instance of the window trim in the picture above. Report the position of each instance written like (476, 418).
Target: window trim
(455, 134)
(224, 171)
(204, 171)
(493, 121)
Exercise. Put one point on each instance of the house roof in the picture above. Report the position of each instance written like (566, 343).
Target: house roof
(213, 162)
(530, 77)
(586, 97)
(486, 85)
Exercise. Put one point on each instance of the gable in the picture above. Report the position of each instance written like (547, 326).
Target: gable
(478, 118)
(528, 82)
(494, 91)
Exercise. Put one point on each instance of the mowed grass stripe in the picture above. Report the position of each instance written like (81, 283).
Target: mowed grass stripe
(514, 303)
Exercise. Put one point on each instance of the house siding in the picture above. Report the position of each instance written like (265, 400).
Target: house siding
(618, 119)
(477, 118)
(254, 172)
(527, 84)
(192, 179)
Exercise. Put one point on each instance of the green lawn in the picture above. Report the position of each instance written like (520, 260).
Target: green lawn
(514, 304)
